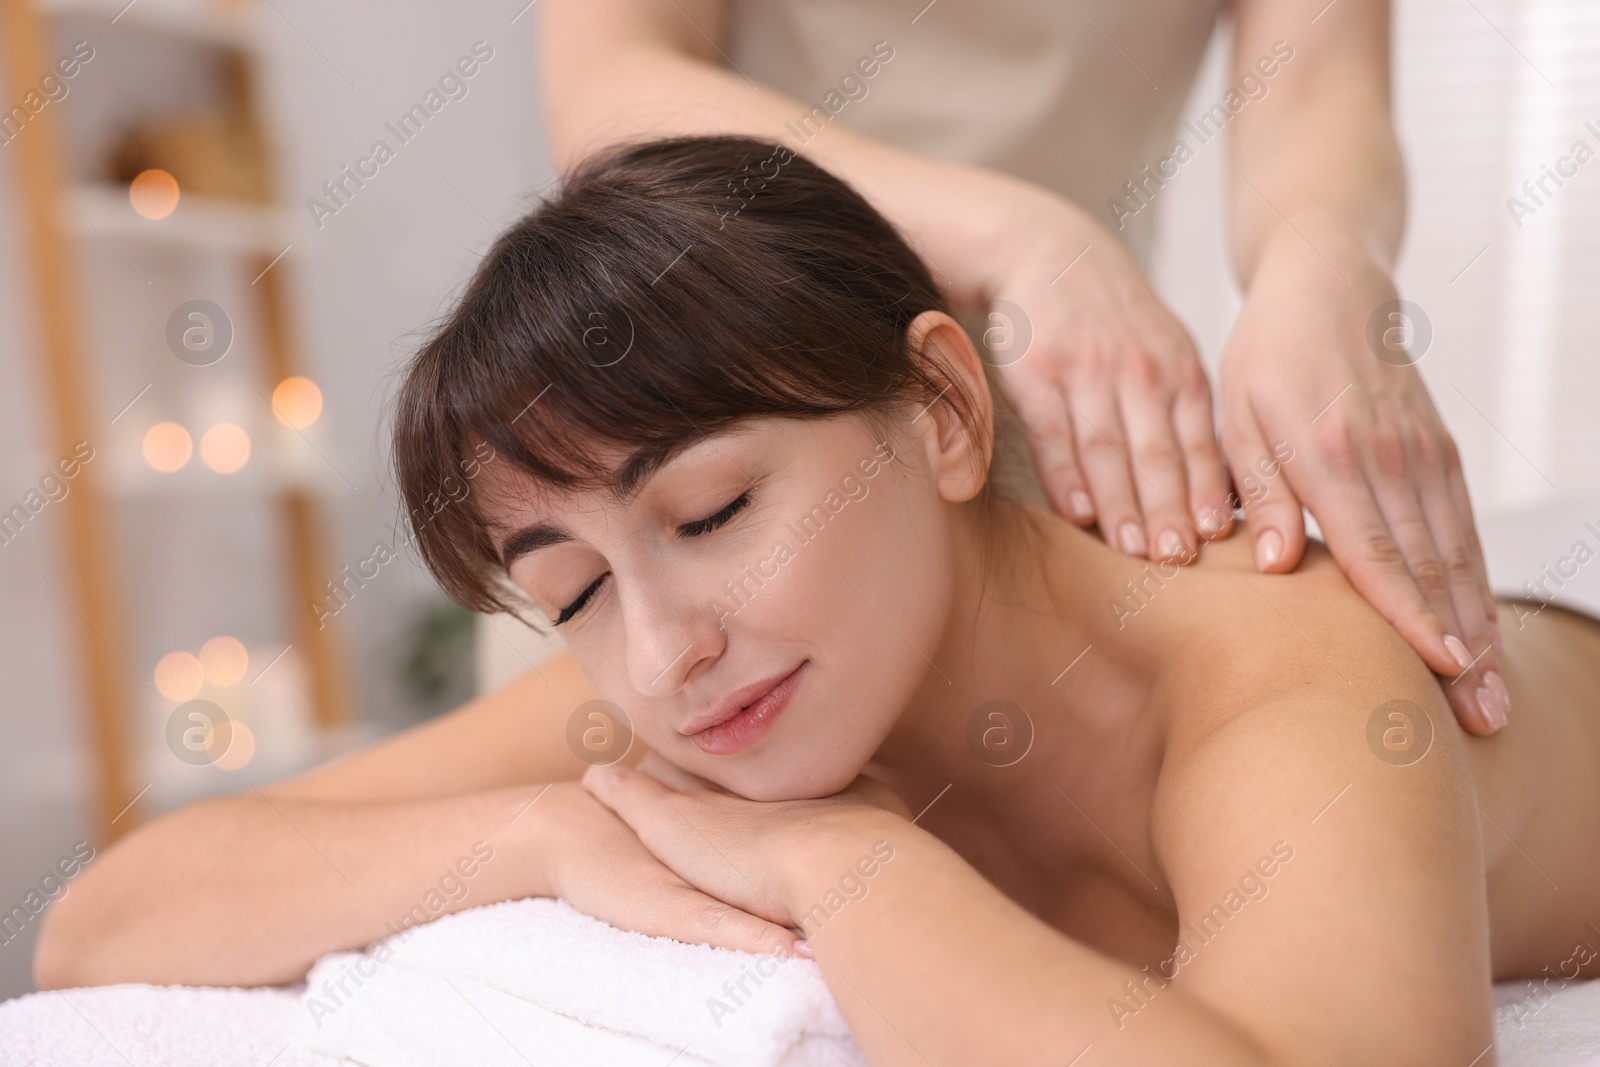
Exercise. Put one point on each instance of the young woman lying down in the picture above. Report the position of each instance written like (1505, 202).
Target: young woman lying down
(740, 460)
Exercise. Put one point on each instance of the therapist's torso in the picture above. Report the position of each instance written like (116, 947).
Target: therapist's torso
(1075, 95)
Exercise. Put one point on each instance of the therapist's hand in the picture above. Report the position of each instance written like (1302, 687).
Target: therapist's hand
(1116, 405)
(1371, 460)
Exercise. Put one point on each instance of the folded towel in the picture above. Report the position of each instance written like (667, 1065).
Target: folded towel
(537, 981)
(146, 1026)
(1551, 1023)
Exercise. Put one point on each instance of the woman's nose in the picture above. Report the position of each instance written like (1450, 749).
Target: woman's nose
(669, 629)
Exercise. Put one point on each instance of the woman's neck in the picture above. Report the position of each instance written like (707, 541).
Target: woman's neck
(1040, 632)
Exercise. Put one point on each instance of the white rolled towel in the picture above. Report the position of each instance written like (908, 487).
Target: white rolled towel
(538, 982)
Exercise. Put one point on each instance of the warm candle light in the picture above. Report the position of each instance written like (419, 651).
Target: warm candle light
(224, 659)
(241, 747)
(179, 677)
(225, 447)
(297, 402)
(154, 194)
(167, 447)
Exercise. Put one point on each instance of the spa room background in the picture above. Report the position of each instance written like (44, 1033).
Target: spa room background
(1488, 93)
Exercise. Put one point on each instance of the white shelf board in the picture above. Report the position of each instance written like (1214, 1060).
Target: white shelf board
(229, 25)
(198, 222)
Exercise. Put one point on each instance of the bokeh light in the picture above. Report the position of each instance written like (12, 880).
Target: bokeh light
(154, 194)
(167, 446)
(225, 447)
(179, 676)
(224, 660)
(241, 748)
(297, 402)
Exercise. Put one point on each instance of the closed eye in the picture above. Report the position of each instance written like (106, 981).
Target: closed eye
(706, 525)
(691, 529)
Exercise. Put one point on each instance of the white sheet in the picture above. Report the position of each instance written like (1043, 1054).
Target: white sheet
(538, 982)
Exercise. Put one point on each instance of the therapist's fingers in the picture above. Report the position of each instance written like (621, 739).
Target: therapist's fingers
(1102, 445)
(1272, 510)
(1159, 475)
(1047, 421)
(1210, 508)
(1415, 505)
(1480, 677)
(1367, 551)
(1456, 483)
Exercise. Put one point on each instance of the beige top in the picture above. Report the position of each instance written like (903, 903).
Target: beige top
(1076, 95)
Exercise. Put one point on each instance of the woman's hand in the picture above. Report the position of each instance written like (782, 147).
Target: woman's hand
(597, 863)
(735, 849)
(1372, 461)
(1107, 383)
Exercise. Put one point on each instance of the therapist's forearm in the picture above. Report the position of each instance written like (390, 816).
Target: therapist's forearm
(1317, 160)
(606, 82)
(933, 964)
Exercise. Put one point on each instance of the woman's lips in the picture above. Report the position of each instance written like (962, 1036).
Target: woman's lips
(747, 727)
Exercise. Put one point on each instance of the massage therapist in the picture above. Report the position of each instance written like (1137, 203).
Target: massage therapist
(1021, 146)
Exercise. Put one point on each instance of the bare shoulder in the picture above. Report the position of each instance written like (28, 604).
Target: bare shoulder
(1300, 840)
(1240, 640)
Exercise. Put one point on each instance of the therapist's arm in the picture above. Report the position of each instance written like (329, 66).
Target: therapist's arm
(1115, 403)
(1321, 356)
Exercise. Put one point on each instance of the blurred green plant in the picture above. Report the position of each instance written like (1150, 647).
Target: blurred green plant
(438, 669)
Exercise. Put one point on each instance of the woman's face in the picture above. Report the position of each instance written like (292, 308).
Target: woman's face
(809, 552)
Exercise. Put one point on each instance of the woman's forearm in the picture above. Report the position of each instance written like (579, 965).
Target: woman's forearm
(931, 963)
(251, 889)
(611, 74)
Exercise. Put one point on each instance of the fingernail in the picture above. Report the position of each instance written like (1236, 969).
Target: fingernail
(1208, 523)
(1269, 549)
(803, 947)
(1497, 685)
(1489, 708)
(1081, 505)
(1171, 545)
(1132, 538)
(1458, 651)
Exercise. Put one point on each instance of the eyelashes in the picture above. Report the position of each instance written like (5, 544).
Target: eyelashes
(698, 528)
(706, 525)
(583, 598)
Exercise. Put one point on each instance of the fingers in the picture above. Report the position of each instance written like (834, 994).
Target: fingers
(1272, 510)
(1457, 486)
(1103, 453)
(1048, 426)
(1474, 704)
(1159, 475)
(1207, 474)
(683, 913)
(1481, 700)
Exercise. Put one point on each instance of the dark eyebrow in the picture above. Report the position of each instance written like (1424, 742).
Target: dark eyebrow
(624, 486)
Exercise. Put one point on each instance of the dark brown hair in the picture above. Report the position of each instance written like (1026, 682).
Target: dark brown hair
(671, 289)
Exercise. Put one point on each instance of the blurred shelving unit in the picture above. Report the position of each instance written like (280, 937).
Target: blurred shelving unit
(74, 190)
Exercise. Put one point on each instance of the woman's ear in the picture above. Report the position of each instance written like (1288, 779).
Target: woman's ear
(957, 454)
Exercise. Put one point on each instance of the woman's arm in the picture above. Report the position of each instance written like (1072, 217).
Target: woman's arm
(1332, 905)
(1323, 355)
(251, 889)
(1310, 933)
(472, 808)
